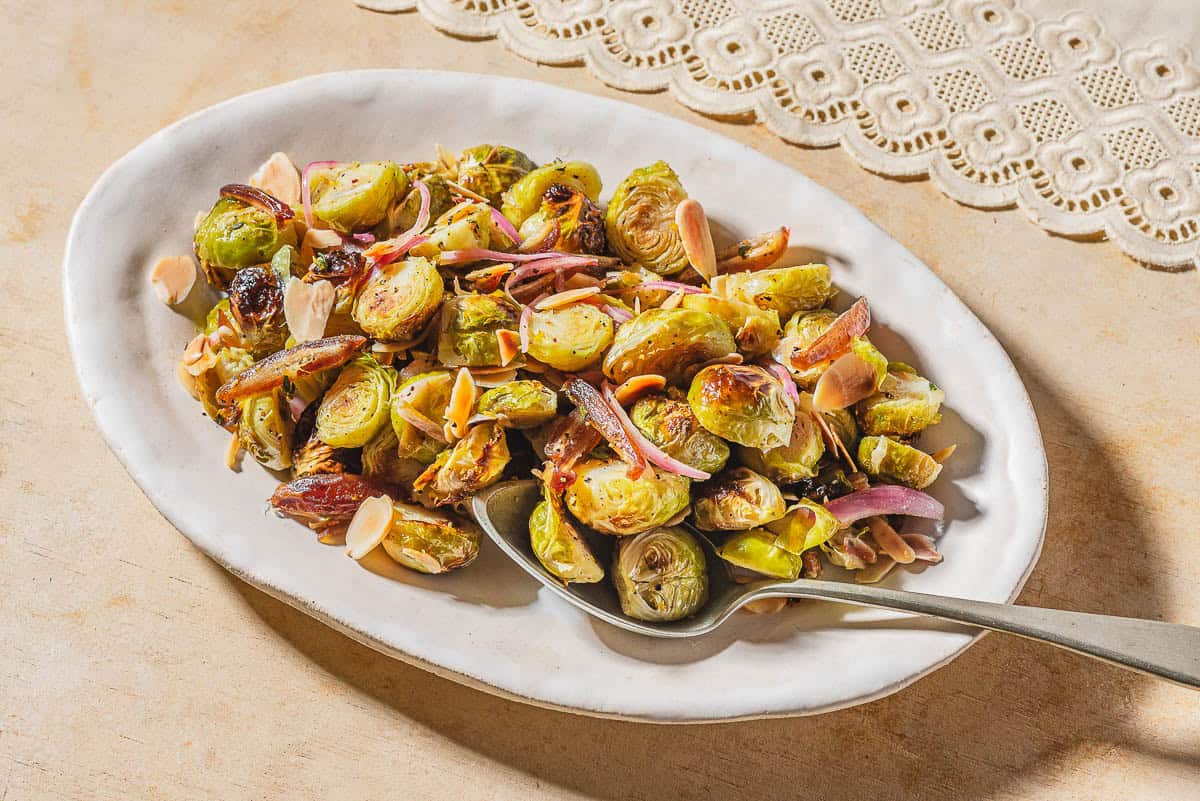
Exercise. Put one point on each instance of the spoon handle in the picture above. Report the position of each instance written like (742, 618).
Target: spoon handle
(1168, 650)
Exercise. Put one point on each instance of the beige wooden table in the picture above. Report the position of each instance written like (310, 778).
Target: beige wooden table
(133, 667)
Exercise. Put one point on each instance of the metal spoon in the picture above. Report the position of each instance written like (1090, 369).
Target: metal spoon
(1167, 650)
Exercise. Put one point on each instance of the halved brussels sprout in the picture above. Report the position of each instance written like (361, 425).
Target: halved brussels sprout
(756, 550)
(404, 214)
(802, 330)
(806, 525)
(399, 299)
(525, 196)
(230, 362)
(488, 170)
(670, 424)
(743, 404)
(737, 499)
(381, 460)
(568, 221)
(476, 461)
(467, 225)
(756, 330)
(796, 460)
(236, 234)
(667, 342)
(787, 290)
(468, 329)
(863, 349)
(520, 404)
(265, 430)
(570, 338)
(356, 196)
(905, 404)
(885, 457)
(640, 219)
(660, 575)
(559, 546)
(256, 306)
(315, 458)
(430, 542)
(428, 394)
(356, 406)
(603, 497)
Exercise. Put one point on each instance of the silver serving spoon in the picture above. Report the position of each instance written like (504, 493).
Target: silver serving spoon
(1167, 650)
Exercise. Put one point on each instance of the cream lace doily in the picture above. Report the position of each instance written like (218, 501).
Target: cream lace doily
(996, 107)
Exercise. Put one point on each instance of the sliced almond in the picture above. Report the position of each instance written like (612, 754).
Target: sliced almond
(369, 526)
(847, 381)
(462, 403)
(766, 606)
(173, 278)
(448, 159)
(566, 298)
(494, 379)
(945, 453)
(307, 307)
(233, 454)
(696, 236)
(279, 178)
(756, 253)
(673, 300)
(199, 357)
(509, 343)
(462, 191)
(427, 562)
(317, 239)
(581, 280)
(390, 347)
(633, 388)
(889, 541)
(716, 285)
(875, 572)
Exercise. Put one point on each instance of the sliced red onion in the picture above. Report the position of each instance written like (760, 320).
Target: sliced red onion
(306, 192)
(422, 221)
(506, 227)
(789, 386)
(886, 499)
(523, 326)
(296, 405)
(386, 252)
(652, 452)
(617, 313)
(671, 286)
(482, 254)
(259, 199)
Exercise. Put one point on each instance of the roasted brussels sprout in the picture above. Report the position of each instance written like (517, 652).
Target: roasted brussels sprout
(905, 404)
(404, 214)
(229, 363)
(399, 300)
(356, 196)
(558, 545)
(806, 525)
(888, 458)
(356, 406)
(756, 331)
(427, 394)
(430, 542)
(640, 220)
(660, 575)
(567, 220)
(737, 499)
(743, 404)
(468, 329)
(476, 461)
(667, 342)
(670, 424)
(756, 550)
(236, 234)
(488, 170)
(467, 225)
(787, 290)
(801, 331)
(570, 338)
(524, 197)
(265, 430)
(604, 498)
(256, 305)
(796, 460)
(520, 404)
(381, 460)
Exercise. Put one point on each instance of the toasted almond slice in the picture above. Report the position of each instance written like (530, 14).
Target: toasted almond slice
(448, 159)
(425, 560)
(279, 178)
(945, 453)
(716, 285)
(369, 526)
(420, 422)
(510, 345)
(673, 300)
(461, 190)
(233, 454)
(766, 606)
(317, 239)
(566, 298)
(390, 347)
(696, 236)
(173, 278)
(889, 541)
(199, 356)
(494, 379)
(847, 381)
(462, 403)
(333, 537)
(581, 280)
(306, 308)
(875, 572)
(633, 388)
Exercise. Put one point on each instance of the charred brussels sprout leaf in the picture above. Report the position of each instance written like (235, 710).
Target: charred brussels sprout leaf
(524, 197)
(786, 290)
(520, 404)
(488, 170)
(756, 550)
(604, 498)
(265, 430)
(671, 426)
(660, 575)
(568, 221)
(426, 394)
(756, 331)
(236, 234)
(570, 338)
(905, 404)
(796, 460)
(743, 404)
(430, 542)
(468, 329)
(399, 299)
(887, 458)
(640, 220)
(356, 406)
(735, 500)
(475, 462)
(667, 342)
(559, 546)
(806, 525)
(356, 196)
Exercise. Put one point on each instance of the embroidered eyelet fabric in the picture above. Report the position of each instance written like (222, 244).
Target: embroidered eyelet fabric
(997, 107)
